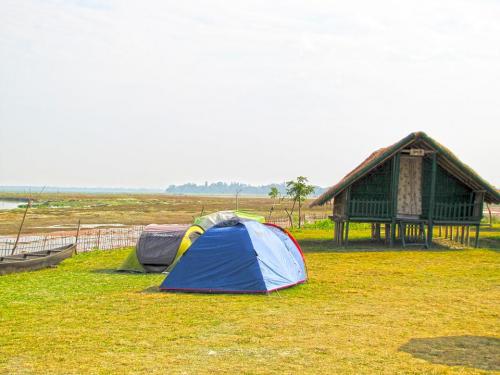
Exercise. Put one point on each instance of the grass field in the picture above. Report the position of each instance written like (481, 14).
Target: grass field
(363, 311)
(66, 209)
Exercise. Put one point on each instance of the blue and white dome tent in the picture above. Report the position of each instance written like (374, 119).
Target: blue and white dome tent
(238, 256)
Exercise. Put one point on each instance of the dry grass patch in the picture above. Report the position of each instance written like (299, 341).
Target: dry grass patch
(56, 209)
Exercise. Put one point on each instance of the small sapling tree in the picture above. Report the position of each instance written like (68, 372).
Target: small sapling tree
(274, 195)
(298, 190)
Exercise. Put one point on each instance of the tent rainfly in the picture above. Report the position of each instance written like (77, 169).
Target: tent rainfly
(408, 189)
(208, 221)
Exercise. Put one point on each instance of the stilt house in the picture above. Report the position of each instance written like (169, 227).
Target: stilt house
(408, 189)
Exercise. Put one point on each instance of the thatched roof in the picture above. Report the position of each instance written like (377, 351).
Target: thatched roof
(445, 158)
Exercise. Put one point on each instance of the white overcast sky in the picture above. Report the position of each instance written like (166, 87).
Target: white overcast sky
(152, 93)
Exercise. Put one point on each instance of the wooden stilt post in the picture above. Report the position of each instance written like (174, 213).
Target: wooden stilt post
(480, 215)
(338, 232)
(347, 215)
(394, 196)
(341, 233)
(346, 233)
(393, 234)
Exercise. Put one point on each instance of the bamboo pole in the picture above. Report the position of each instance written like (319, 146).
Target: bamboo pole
(21, 227)
(77, 235)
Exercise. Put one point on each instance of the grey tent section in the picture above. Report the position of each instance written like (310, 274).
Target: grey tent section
(158, 246)
(210, 220)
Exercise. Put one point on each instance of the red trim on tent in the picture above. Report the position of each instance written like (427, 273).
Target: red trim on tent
(219, 291)
(287, 232)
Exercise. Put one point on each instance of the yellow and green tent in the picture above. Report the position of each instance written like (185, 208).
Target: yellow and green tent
(160, 246)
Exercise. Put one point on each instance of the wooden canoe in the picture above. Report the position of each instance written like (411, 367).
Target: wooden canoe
(36, 260)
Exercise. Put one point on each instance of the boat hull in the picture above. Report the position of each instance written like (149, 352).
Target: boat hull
(36, 260)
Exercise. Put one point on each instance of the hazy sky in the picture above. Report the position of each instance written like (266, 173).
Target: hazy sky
(151, 93)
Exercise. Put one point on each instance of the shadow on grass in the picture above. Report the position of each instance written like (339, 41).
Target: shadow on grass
(155, 289)
(151, 290)
(319, 245)
(490, 242)
(480, 352)
(108, 271)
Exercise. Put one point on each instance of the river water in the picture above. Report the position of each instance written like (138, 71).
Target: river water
(9, 205)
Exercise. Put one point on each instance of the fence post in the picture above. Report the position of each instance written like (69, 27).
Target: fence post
(98, 238)
(77, 235)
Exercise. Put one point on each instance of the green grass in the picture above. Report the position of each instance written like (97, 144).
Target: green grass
(407, 312)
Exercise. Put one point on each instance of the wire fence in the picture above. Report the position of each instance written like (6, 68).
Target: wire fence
(102, 238)
(88, 240)
(284, 221)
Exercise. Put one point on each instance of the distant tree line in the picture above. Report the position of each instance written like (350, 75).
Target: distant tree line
(224, 188)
